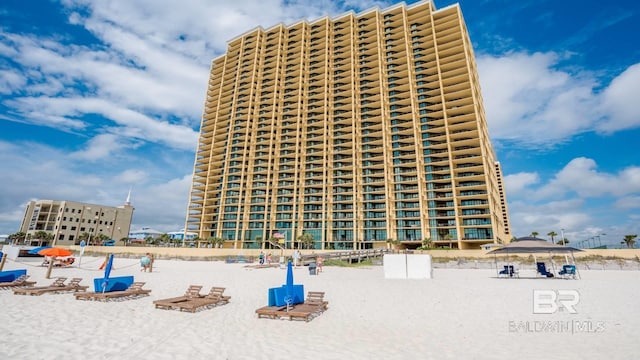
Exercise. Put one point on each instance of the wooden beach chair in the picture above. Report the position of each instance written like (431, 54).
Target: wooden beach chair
(314, 306)
(39, 290)
(300, 311)
(193, 292)
(72, 286)
(20, 281)
(316, 298)
(134, 290)
(271, 312)
(215, 297)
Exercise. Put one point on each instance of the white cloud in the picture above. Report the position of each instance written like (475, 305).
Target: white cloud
(45, 172)
(580, 176)
(528, 100)
(162, 206)
(100, 147)
(620, 102)
(60, 112)
(532, 99)
(518, 183)
(578, 199)
(629, 202)
(552, 216)
(10, 81)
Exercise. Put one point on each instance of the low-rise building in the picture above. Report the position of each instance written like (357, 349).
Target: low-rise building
(68, 221)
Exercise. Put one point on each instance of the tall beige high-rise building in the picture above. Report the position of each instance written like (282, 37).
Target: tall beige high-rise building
(359, 130)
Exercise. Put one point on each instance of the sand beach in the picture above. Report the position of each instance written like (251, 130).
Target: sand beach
(459, 314)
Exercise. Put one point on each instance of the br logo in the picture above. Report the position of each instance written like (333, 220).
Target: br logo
(552, 301)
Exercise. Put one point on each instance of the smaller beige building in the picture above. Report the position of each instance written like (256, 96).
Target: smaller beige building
(68, 220)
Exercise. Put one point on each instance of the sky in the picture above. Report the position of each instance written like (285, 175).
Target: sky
(100, 97)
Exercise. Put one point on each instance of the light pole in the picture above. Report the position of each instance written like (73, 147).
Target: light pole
(88, 209)
(562, 236)
(599, 241)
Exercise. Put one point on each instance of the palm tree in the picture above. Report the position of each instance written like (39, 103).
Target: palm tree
(630, 240)
(125, 240)
(43, 237)
(194, 240)
(449, 237)
(17, 237)
(552, 234)
(215, 241)
(564, 241)
(100, 239)
(306, 240)
(164, 239)
(84, 236)
(427, 243)
(534, 233)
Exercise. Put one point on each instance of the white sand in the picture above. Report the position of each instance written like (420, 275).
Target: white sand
(460, 314)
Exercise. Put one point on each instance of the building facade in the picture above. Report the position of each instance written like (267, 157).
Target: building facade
(360, 130)
(67, 221)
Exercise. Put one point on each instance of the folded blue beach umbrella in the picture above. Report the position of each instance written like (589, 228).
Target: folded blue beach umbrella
(289, 282)
(107, 272)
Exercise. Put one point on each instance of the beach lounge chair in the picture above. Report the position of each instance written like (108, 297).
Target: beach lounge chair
(270, 311)
(58, 282)
(542, 270)
(57, 287)
(74, 285)
(20, 281)
(134, 291)
(215, 297)
(509, 270)
(314, 306)
(316, 298)
(568, 271)
(193, 292)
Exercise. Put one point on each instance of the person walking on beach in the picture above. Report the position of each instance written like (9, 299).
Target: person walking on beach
(319, 261)
(144, 262)
(269, 259)
(296, 257)
(261, 258)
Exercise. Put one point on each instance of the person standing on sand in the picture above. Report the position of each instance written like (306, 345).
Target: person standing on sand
(269, 259)
(319, 261)
(144, 262)
(296, 257)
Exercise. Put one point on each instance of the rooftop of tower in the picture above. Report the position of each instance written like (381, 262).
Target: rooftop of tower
(351, 12)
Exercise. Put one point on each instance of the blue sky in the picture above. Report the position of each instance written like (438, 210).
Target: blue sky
(97, 97)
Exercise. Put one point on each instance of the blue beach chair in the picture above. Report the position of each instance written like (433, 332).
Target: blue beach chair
(542, 270)
(568, 271)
